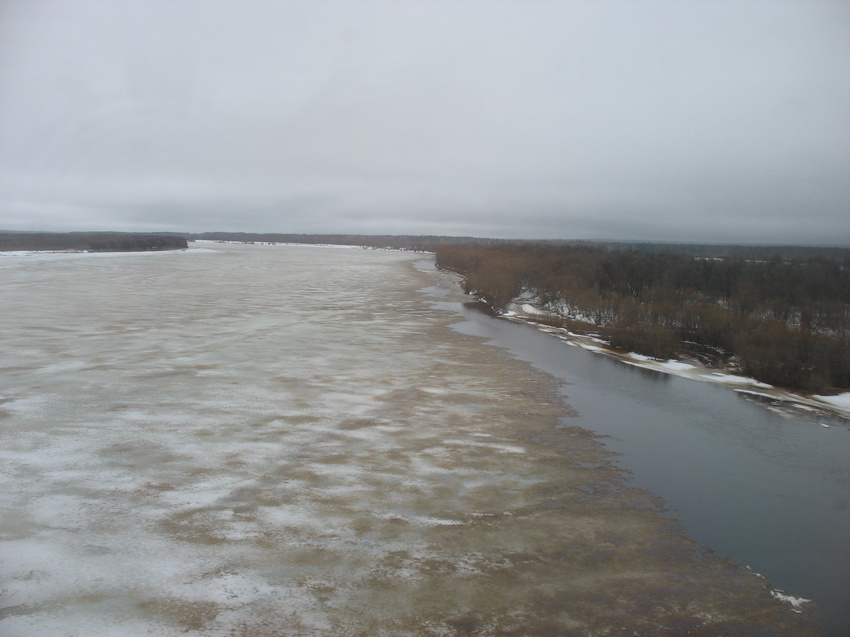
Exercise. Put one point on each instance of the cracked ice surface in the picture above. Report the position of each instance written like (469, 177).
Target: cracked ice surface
(264, 440)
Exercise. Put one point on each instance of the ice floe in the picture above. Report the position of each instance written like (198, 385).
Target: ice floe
(795, 602)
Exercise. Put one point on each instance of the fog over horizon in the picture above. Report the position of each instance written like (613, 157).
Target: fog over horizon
(701, 122)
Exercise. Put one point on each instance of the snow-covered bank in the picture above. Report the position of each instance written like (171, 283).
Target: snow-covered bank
(840, 402)
(275, 243)
(40, 255)
(29, 253)
(783, 400)
(288, 244)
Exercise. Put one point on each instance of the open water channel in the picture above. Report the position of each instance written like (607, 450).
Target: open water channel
(281, 440)
(765, 487)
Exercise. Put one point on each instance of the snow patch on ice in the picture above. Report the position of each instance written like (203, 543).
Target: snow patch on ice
(421, 520)
(505, 448)
(795, 602)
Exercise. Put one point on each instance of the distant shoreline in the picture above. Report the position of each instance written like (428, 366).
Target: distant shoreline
(786, 401)
(90, 242)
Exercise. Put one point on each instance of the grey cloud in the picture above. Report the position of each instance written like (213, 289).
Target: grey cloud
(653, 120)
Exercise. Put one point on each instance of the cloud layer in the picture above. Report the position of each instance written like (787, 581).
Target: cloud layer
(697, 121)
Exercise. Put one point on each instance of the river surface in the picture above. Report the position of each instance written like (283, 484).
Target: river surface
(766, 488)
(281, 440)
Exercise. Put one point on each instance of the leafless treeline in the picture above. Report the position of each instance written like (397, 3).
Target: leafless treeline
(99, 241)
(784, 322)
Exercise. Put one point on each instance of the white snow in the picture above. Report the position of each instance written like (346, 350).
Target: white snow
(755, 393)
(691, 370)
(733, 379)
(795, 602)
(592, 348)
(842, 401)
(675, 366)
(52, 255)
(530, 309)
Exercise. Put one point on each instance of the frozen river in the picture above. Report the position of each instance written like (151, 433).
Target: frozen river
(279, 440)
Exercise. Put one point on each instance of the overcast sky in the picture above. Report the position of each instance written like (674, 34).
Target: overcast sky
(682, 120)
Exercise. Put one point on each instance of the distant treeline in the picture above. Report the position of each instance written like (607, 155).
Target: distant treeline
(95, 241)
(753, 252)
(430, 243)
(426, 243)
(783, 320)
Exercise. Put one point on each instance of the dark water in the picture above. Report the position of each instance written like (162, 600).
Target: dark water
(768, 491)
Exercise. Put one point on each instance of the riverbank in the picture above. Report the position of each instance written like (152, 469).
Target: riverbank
(90, 241)
(820, 410)
(748, 482)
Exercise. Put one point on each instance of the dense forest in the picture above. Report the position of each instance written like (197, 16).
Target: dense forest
(93, 241)
(783, 321)
(430, 243)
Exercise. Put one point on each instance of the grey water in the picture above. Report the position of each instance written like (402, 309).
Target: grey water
(765, 488)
